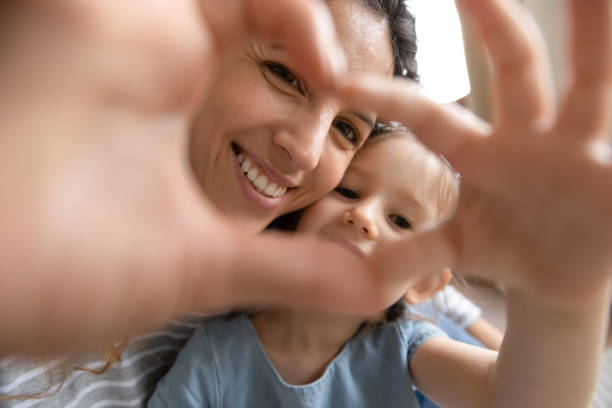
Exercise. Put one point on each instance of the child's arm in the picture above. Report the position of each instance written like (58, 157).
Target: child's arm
(467, 315)
(486, 333)
(549, 358)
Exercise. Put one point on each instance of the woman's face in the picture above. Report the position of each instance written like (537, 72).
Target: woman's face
(265, 143)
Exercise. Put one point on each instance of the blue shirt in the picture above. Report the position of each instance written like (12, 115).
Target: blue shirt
(224, 365)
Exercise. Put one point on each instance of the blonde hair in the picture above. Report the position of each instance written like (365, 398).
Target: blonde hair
(440, 183)
(112, 355)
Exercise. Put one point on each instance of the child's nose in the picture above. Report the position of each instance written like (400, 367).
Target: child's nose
(362, 219)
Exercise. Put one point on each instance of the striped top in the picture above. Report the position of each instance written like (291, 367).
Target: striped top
(603, 393)
(127, 384)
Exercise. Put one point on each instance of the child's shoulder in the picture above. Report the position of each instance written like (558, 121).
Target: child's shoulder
(413, 331)
(223, 335)
(221, 325)
(392, 343)
(416, 326)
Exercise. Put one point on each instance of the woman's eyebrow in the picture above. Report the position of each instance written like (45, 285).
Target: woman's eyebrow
(367, 119)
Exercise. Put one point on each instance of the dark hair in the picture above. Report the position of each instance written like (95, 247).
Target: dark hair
(286, 223)
(403, 34)
(381, 128)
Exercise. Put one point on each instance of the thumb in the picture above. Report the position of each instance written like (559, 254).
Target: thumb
(400, 264)
(302, 273)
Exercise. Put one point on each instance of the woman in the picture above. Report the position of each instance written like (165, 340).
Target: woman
(297, 139)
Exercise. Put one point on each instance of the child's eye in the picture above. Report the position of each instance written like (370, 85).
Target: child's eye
(348, 131)
(285, 75)
(347, 193)
(400, 221)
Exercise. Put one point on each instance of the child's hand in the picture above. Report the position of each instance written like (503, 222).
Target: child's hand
(535, 210)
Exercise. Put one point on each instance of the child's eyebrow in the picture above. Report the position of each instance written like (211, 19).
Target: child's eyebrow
(408, 197)
(420, 206)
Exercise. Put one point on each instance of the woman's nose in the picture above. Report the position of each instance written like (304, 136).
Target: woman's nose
(302, 151)
(362, 218)
(303, 143)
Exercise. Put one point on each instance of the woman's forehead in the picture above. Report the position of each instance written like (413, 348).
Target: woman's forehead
(364, 36)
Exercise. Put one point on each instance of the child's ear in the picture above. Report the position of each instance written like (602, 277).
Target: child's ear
(427, 287)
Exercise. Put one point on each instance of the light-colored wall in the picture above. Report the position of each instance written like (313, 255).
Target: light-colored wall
(551, 17)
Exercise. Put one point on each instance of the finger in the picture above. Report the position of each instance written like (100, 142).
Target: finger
(302, 273)
(522, 85)
(304, 28)
(587, 110)
(447, 129)
(425, 254)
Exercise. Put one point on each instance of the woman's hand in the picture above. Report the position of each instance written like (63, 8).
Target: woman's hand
(535, 210)
(104, 233)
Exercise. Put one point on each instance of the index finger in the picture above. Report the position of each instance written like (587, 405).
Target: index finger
(300, 272)
(305, 28)
(446, 129)
(587, 110)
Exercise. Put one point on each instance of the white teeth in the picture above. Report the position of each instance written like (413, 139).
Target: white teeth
(252, 174)
(260, 181)
(246, 166)
(271, 189)
(279, 191)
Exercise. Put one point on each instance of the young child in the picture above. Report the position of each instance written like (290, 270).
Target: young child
(460, 318)
(291, 358)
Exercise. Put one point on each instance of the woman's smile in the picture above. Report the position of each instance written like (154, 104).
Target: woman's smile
(260, 183)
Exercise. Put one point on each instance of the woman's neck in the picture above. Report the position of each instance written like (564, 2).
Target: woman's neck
(302, 344)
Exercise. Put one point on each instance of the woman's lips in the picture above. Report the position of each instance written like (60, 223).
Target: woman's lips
(258, 177)
(259, 191)
(264, 168)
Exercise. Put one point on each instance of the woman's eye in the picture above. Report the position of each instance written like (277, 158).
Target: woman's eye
(401, 222)
(347, 193)
(348, 131)
(285, 75)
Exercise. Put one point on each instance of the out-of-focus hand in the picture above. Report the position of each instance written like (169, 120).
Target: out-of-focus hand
(103, 231)
(535, 210)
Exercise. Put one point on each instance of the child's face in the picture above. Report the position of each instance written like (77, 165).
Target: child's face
(390, 189)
